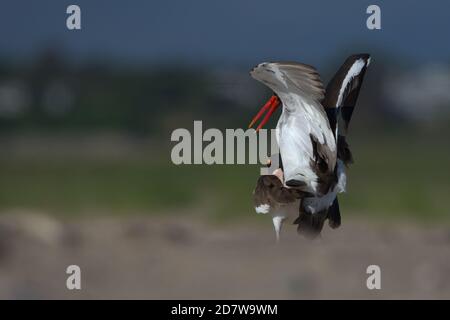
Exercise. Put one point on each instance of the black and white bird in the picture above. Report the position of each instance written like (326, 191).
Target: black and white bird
(311, 134)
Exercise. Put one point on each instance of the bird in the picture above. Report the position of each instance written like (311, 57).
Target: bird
(311, 134)
(272, 196)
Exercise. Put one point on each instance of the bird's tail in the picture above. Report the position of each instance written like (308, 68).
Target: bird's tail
(310, 225)
(334, 215)
(343, 150)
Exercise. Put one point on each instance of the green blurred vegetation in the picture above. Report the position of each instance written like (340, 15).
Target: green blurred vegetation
(400, 169)
(100, 96)
(395, 176)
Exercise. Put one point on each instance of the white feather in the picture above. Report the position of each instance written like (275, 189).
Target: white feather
(298, 120)
(342, 177)
(264, 208)
(355, 70)
(317, 204)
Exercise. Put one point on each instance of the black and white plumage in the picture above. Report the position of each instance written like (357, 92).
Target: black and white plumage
(311, 135)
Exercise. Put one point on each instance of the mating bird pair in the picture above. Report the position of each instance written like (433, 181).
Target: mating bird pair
(311, 134)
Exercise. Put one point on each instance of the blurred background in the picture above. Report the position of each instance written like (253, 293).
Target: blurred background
(85, 170)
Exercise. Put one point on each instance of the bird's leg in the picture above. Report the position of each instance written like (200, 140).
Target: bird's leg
(277, 223)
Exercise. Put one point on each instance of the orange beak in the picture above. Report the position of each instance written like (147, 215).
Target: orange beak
(271, 105)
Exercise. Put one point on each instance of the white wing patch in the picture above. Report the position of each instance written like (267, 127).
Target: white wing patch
(342, 177)
(263, 208)
(355, 70)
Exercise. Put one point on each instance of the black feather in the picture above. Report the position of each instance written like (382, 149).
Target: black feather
(310, 225)
(334, 215)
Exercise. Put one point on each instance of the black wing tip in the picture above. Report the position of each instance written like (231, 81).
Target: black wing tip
(310, 225)
(334, 215)
(354, 57)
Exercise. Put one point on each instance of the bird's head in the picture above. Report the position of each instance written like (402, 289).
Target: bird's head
(268, 74)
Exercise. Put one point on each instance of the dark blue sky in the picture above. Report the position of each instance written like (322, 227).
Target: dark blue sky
(231, 31)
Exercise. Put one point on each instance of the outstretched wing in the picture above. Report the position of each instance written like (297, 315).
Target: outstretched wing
(292, 78)
(305, 78)
(343, 90)
(340, 100)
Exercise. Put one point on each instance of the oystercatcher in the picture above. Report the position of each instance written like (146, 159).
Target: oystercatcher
(311, 134)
